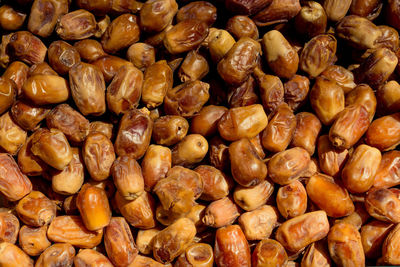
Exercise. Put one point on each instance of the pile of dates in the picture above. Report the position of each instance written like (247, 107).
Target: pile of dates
(229, 133)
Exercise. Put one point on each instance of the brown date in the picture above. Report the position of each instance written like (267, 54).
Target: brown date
(307, 130)
(52, 147)
(27, 115)
(17, 71)
(9, 227)
(231, 247)
(128, 178)
(14, 185)
(8, 92)
(242, 122)
(33, 240)
(383, 132)
(119, 243)
(156, 15)
(69, 121)
(173, 240)
(329, 196)
(88, 89)
(247, 167)
(251, 198)
(76, 25)
(358, 175)
(93, 206)
(35, 209)
(240, 61)
(269, 253)
(187, 99)
(91, 258)
(185, 36)
(70, 229)
(291, 199)
(387, 174)
(13, 256)
(288, 165)
(298, 232)
(345, 247)
(26, 47)
(134, 134)
(59, 254)
(62, 56)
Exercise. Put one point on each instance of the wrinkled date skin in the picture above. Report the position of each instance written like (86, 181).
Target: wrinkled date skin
(62, 56)
(36, 209)
(52, 147)
(316, 255)
(216, 183)
(173, 240)
(59, 253)
(242, 122)
(119, 243)
(139, 213)
(17, 71)
(121, 33)
(200, 10)
(33, 240)
(247, 167)
(88, 89)
(331, 159)
(220, 213)
(383, 204)
(91, 258)
(69, 121)
(288, 165)
(345, 247)
(349, 126)
(329, 196)
(109, 66)
(28, 116)
(155, 165)
(390, 248)
(44, 15)
(358, 174)
(8, 92)
(363, 95)
(77, 25)
(125, 90)
(296, 233)
(158, 80)
(98, 154)
(342, 76)
(185, 36)
(278, 11)
(9, 227)
(291, 199)
(169, 130)
(271, 90)
(246, 7)
(12, 137)
(179, 189)
(242, 26)
(134, 134)
(251, 198)
(308, 127)
(43, 89)
(373, 234)
(128, 178)
(14, 185)
(296, 91)
(27, 48)
(388, 172)
(383, 133)
(318, 54)
(280, 55)
(279, 132)
(269, 253)
(240, 61)
(327, 100)
(231, 247)
(70, 229)
(13, 256)
(156, 15)
(187, 99)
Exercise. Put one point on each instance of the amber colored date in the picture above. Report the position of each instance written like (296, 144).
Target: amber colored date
(14, 185)
(231, 247)
(70, 229)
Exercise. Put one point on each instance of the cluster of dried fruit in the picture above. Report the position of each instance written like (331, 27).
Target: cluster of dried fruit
(138, 134)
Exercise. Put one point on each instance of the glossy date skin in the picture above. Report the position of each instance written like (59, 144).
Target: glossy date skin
(134, 134)
(14, 185)
(240, 61)
(231, 247)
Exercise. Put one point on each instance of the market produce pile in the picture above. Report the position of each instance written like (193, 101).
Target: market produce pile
(229, 133)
